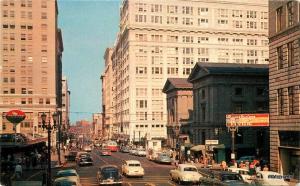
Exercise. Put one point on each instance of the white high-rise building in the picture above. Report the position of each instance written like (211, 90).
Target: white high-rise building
(161, 39)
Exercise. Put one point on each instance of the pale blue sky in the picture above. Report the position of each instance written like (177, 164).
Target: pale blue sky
(88, 28)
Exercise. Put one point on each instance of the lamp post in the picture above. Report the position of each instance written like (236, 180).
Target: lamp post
(49, 128)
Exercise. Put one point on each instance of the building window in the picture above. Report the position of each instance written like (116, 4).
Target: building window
(44, 15)
(44, 4)
(280, 98)
(4, 126)
(260, 91)
(41, 101)
(44, 37)
(48, 101)
(280, 57)
(292, 100)
(278, 19)
(238, 108)
(203, 112)
(12, 91)
(290, 13)
(23, 101)
(202, 94)
(290, 47)
(238, 91)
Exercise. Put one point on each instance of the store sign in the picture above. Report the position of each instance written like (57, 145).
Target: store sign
(15, 116)
(211, 142)
(247, 120)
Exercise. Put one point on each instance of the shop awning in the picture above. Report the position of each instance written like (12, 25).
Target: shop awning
(198, 148)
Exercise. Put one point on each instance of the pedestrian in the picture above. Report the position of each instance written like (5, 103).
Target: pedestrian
(18, 171)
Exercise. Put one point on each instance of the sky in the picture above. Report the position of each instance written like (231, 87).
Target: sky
(88, 28)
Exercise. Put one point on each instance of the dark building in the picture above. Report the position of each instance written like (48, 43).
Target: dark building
(284, 79)
(220, 89)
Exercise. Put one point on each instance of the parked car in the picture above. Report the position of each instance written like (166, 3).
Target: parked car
(85, 161)
(132, 168)
(245, 158)
(221, 178)
(105, 152)
(243, 172)
(141, 152)
(66, 181)
(71, 173)
(109, 175)
(269, 178)
(87, 148)
(185, 173)
(163, 158)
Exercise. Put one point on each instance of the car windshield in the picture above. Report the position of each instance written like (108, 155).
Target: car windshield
(230, 177)
(134, 165)
(65, 174)
(110, 173)
(190, 169)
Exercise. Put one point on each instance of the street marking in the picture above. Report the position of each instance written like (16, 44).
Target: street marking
(34, 175)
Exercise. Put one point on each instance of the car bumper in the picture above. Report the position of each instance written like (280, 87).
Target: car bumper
(85, 163)
(110, 183)
(135, 174)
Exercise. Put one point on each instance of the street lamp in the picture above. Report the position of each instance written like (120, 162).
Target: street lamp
(49, 128)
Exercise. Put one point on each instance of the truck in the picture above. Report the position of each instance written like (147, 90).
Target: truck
(153, 147)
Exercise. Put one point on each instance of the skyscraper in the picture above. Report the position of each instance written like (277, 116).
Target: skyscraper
(162, 39)
(30, 65)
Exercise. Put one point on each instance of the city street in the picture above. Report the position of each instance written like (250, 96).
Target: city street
(155, 174)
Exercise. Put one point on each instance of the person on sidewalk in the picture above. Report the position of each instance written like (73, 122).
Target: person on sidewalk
(18, 171)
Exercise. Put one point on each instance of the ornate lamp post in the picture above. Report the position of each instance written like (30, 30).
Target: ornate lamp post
(49, 128)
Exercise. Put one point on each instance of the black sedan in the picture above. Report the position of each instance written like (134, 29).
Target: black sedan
(85, 161)
(109, 175)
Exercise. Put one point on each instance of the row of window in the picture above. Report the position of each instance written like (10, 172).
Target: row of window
(29, 101)
(23, 3)
(190, 10)
(201, 22)
(288, 97)
(286, 54)
(23, 26)
(24, 59)
(194, 39)
(288, 16)
(146, 126)
(11, 14)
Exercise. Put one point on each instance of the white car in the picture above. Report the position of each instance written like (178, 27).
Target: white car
(70, 173)
(243, 172)
(132, 168)
(87, 149)
(132, 151)
(66, 181)
(269, 178)
(185, 173)
(141, 152)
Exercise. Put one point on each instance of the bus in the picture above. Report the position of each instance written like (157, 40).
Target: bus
(112, 145)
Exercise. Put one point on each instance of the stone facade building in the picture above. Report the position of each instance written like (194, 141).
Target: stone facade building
(164, 39)
(220, 89)
(179, 108)
(284, 38)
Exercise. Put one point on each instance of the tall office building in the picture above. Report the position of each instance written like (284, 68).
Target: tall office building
(107, 102)
(162, 39)
(284, 87)
(65, 107)
(30, 65)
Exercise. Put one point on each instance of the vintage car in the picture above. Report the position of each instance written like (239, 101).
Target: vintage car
(214, 177)
(109, 175)
(163, 158)
(81, 154)
(105, 152)
(141, 152)
(66, 181)
(72, 173)
(87, 148)
(125, 149)
(243, 172)
(185, 173)
(132, 168)
(84, 161)
(269, 178)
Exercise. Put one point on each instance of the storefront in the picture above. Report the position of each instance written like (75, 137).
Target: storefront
(289, 153)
